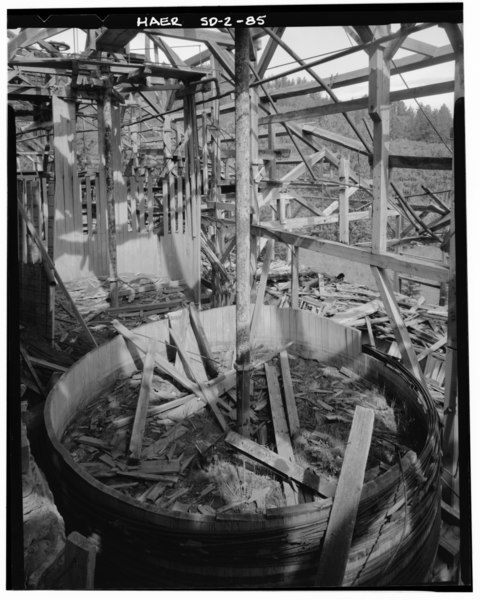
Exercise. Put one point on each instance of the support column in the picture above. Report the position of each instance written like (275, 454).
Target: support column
(107, 163)
(242, 172)
(451, 491)
(379, 111)
(343, 223)
(254, 100)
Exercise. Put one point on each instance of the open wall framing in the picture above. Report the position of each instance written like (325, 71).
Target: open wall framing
(128, 161)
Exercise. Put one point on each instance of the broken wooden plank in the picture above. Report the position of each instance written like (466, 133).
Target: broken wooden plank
(278, 464)
(48, 262)
(400, 331)
(33, 372)
(257, 311)
(441, 342)
(160, 466)
(203, 343)
(280, 428)
(178, 321)
(80, 557)
(205, 393)
(290, 404)
(341, 523)
(138, 429)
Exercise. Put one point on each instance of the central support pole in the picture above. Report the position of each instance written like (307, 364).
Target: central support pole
(109, 189)
(242, 172)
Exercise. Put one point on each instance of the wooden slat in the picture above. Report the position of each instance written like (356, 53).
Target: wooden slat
(277, 463)
(203, 343)
(139, 422)
(48, 263)
(280, 428)
(179, 205)
(401, 333)
(341, 524)
(150, 201)
(410, 266)
(88, 201)
(294, 271)
(290, 404)
(257, 311)
(280, 425)
(141, 204)
(80, 557)
(214, 388)
(178, 321)
(165, 202)
(356, 104)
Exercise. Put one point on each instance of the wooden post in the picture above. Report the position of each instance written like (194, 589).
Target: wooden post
(451, 491)
(295, 285)
(242, 171)
(106, 160)
(400, 331)
(262, 286)
(80, 556)
(341, 523)
(343, 224)
(379, 111)
(254, 100)
(139, 422)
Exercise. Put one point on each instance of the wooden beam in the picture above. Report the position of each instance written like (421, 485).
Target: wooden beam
(409, 266)
(242, 221)
(419, 47)
(455, 415)
(269, 51)
(294, 283)
(343, 217)
(223, 58)
(286, 468)
(356, 104)
(80, 558)
(139, 422)
(29, 36)
(343, 516)
(427, 163)
(402, 65)
(197, 34)
(336, 138)
(396, 320)
(280, 428)
(319, 80)
(171, 55)
(379, 112)
(262, 286)
(211, 364)
(49, 262)
(290, 404)
(115, 40)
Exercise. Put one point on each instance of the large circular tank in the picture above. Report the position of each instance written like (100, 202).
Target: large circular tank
(397, 527)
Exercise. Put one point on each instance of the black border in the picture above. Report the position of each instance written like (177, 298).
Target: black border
(297, 16)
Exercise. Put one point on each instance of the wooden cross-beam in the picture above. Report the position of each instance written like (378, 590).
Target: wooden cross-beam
(269, 51)
(199, 35)
(357, 104)
(29, 36)
(415, 267)
(402, 65)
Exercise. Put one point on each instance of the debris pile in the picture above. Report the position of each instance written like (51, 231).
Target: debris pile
(190, 458)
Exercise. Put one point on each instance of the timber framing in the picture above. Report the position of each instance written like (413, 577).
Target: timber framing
(134, 158)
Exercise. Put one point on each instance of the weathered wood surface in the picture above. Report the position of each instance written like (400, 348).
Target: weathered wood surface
(338, 537)
(280, 465)
(139, 422)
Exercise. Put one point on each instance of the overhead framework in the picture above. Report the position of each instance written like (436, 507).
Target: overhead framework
(159, 181)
